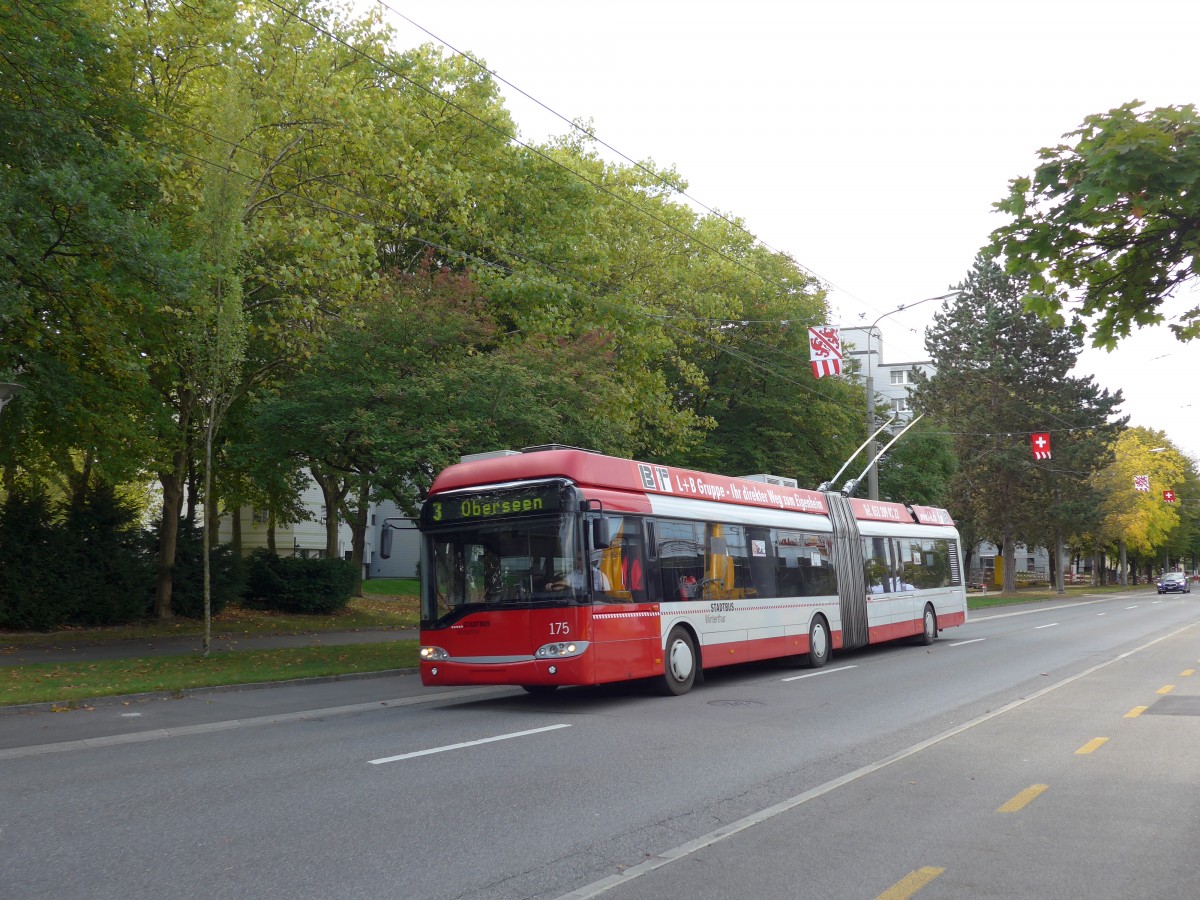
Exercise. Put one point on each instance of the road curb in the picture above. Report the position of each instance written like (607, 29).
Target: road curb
(70, 705)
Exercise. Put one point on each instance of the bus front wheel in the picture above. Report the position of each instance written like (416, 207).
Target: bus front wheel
(679, 662)
(818, 643)
(929, 632)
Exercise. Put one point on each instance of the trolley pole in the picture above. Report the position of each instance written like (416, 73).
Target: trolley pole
(873, 472)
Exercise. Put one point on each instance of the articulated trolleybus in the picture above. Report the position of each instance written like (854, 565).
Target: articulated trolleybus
(558, 566)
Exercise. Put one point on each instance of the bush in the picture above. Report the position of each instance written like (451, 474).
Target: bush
(31, 594)
(83, 564)
(110, 571)
(227, 572)
(297, 584)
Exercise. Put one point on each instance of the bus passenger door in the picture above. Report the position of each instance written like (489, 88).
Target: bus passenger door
(904, 606)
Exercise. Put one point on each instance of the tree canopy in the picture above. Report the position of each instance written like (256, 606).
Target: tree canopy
(1002, 374)
(1110, 222)
(1140, 518)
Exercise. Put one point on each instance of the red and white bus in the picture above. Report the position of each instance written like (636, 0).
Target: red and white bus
(559, 566)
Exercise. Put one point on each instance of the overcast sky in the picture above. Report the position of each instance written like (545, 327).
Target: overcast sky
(868, 139)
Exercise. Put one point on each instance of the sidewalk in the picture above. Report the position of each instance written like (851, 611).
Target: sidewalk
(67, 649)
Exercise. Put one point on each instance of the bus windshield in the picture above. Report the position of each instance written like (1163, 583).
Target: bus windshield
(530, 561)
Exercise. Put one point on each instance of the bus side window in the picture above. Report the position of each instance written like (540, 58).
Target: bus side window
(633, 568)
(876, 566)
(680, 558)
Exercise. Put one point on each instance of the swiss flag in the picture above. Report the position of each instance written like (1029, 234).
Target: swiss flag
(1041, 445)
(1169, 496)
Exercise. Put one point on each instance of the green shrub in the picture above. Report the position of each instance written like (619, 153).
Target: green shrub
(110, 571)
(298, 584)
(80, 564)
(31, 575)
(187, 578)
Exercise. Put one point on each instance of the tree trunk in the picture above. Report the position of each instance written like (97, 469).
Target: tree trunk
(1060, 569)
(1010, 563)
(334, 490)
(359, 535)
(1124, 564)
(271, 535)
(193, 491)
(78, 482)
(235, 530)
(172, 486)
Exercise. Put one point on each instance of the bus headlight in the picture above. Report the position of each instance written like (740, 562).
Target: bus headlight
(433, 654)
(561, 649)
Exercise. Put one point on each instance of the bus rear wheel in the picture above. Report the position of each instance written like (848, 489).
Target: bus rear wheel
(679, 663)
(818, 643)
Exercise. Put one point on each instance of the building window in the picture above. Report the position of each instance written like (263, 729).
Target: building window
(900, 404)
(899, 376)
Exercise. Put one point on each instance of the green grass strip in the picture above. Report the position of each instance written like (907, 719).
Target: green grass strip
(67, 682)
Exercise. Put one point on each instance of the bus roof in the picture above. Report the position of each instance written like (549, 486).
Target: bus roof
(596, 471)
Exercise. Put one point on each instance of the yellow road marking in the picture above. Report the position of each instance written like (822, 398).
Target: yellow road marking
(1136, 711)
(1023, 799)
(911, 883)
(1165, 689)
(1093, 744)
(1187, 672)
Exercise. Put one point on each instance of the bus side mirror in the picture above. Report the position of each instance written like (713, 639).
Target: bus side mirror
(600, 536)
(385, 541)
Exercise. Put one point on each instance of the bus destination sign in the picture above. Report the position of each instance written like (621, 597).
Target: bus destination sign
(482, 506)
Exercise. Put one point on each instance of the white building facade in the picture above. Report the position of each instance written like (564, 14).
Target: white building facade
(307, 538)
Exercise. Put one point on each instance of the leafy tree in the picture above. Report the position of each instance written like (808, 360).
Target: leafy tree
(82, 252)
(1115, 217)
(1002, 374)
(919, 468)
(256, 116)
(417, 377)
(753, 385)
(1139, 519)
(586, 248)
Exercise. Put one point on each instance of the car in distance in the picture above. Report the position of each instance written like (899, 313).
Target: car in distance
(1174, 581)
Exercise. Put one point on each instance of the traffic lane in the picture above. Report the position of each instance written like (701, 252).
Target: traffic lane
(293, 811)
(105, 717)
(711, 756)
(436, 797)
(649, 770)
(1030, 802)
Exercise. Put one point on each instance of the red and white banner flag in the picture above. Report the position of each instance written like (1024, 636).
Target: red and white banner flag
(1141, 483)
(1169, 496)
(1041, 445)
(825, 350)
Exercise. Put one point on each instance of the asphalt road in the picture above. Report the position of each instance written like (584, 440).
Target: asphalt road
(1043, 751)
